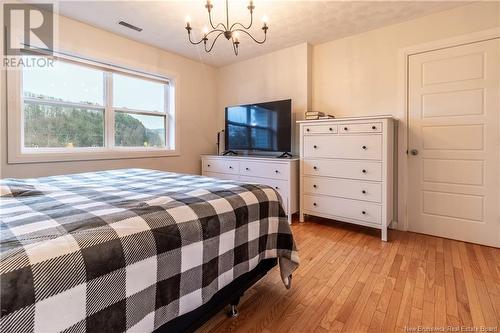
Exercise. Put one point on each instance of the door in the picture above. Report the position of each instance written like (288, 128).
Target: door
(454, 143)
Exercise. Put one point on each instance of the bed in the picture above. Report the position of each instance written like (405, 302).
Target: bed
(133, 250)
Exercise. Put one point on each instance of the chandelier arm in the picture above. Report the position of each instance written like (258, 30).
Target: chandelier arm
(241, 25)
(213, 43)
(205, 36)
(249, 35)
(215, 27)
(220, 31)
(194, 43)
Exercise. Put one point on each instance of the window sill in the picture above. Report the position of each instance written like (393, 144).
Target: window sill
(86, 155)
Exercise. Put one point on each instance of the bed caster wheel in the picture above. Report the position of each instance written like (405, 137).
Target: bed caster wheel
(233, 312)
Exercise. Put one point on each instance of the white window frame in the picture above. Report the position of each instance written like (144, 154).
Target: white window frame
(17, 153)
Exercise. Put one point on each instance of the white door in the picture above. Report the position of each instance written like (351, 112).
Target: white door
(454, 142)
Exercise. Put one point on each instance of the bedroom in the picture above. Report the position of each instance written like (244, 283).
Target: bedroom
(127, 217)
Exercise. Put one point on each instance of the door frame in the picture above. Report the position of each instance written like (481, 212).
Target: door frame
(403, 128)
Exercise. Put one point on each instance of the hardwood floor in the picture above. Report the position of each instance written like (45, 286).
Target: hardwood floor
(350, 281)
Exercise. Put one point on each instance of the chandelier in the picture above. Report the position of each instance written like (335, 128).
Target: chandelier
(231, 32)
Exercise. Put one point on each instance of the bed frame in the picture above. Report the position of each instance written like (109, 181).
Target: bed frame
(229, 295)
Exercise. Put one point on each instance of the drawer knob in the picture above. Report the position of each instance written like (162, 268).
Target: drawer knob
(314, 204)
(315, 167)
(364, 192)
(276, 171)
(315, 147)
(364, 147)
(247, 169)
(363, 171)
(230, 167)
(374, 127)
(307, 129)
(331, 129)
(276, 187)
(363, 212)
(315, 186)
(208, 165)
(345, 129)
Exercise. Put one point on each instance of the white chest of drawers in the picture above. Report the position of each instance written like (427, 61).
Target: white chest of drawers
(281, 174)
(346, 170)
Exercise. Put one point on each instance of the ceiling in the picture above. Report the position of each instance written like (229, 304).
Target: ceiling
(290, 22)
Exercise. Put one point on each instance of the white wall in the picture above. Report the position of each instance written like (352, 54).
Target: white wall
(197, 104)
(278, 75)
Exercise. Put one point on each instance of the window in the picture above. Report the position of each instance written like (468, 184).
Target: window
(84, 109)
(63, 106)
(140, 118)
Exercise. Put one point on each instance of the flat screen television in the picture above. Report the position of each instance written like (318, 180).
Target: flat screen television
(259, 127)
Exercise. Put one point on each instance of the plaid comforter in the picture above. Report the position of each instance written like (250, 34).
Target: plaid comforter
(129, 250)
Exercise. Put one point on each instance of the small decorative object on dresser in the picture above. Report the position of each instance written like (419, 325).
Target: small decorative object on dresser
(314, 115)
(346, 170)
(281, 174)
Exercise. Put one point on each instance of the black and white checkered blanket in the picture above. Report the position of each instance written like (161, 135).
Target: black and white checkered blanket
(129, 250)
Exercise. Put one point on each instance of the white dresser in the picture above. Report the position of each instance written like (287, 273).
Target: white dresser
(347, 170)
(281, 174)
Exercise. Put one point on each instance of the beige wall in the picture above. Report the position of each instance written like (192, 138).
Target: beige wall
(353, 76)
(359, 75)
(197, 104)
(363, 74)
(278, 75)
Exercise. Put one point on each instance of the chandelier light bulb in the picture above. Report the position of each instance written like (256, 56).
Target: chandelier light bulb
(205, 30)
(188, 20)
(265, 19)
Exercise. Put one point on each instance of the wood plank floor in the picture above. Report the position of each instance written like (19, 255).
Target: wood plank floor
(350, 281)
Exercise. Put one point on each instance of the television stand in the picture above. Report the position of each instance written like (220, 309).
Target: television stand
(229, 152)
(285, 155)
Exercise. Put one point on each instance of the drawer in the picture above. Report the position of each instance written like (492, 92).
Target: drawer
(363, 170)
(320, 129)
(267, 170)
(281, 186)
(220, 166)
(226, 176)
(358, 147)
(352, 209)
(346, 188)
(360, 128)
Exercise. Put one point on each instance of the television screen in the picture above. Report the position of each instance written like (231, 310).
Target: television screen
(262, 126)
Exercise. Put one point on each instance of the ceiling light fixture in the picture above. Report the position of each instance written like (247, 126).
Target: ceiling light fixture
(231, 33)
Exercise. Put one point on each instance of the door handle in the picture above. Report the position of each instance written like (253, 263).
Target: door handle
(414, 152)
